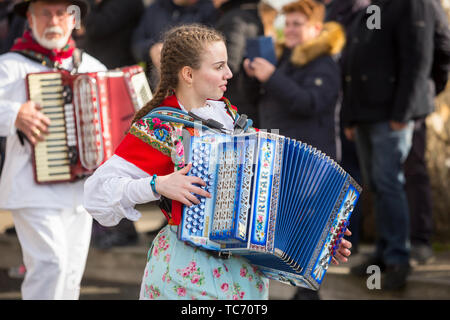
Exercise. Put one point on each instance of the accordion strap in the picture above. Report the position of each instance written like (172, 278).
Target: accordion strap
(171, 114)
(242, 124)
(77, 57)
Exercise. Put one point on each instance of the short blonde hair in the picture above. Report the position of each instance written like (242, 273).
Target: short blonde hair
(313, 10)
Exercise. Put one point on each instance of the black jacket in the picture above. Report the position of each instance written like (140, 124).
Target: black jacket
(238, 21)
(441, 57)
(162, 15)
(12, 25)
(344, 11)
(159, 17)
(386, 72)
(300, 97)
(109, 28)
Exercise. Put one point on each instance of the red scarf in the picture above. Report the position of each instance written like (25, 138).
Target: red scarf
(28, 43)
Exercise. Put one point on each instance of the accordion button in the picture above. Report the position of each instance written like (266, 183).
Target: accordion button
(188, 226)
(194, 230)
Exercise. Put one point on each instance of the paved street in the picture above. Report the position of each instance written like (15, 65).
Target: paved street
(116, 274)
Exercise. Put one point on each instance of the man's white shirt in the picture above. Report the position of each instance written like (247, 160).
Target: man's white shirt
(17, 186)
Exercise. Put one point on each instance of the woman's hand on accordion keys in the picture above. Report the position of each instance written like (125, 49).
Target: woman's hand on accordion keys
(343, 252)
(180, 187)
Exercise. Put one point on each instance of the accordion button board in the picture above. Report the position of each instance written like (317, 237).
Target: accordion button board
(220, 166)
(195, 215)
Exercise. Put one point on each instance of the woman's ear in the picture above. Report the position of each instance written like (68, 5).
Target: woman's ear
(187, 75)
(318, 27)
(30, 19)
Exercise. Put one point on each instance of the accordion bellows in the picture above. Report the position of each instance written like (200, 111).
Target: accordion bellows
(278, 202)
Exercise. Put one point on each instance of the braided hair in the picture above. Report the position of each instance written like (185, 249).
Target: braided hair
(183, 46)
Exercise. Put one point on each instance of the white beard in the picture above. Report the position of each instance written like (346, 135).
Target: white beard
(50, 44)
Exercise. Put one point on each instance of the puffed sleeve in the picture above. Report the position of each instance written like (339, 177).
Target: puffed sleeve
(114, 189)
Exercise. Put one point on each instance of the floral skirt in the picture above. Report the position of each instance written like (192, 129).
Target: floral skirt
(176, 270)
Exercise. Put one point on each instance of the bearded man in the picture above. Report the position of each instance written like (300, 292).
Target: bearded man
(52, 226)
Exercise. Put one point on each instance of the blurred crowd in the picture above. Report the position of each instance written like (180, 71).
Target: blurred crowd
(356, 83)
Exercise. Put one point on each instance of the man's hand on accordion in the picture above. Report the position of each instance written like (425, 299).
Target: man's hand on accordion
(344, 250)
(180, 187)
(32, 122)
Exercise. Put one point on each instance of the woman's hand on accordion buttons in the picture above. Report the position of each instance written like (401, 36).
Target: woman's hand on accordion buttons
(32, 122)
(180, 187)
(343, 252)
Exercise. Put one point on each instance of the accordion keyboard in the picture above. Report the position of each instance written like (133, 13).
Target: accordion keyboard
(195, 215)
(52, 156)
(225, 194)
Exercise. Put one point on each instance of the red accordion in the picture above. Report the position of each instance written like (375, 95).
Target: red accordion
(90, 113)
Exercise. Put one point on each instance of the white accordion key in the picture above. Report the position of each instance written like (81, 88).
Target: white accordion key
(51, 155)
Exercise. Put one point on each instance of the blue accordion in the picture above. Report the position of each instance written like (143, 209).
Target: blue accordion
(278, 202)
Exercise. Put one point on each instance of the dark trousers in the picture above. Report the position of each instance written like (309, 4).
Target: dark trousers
(418, 188)
(2, 152)
(125, 228)
(349, 163)
(382, 153)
